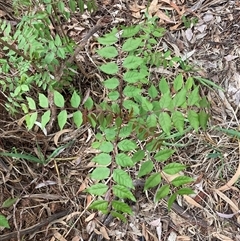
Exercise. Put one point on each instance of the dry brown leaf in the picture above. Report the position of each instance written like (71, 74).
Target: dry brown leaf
(58, 236)
(104, 233)
(192, 201)
(76, 238)
(221, 237)
(90, 217)
(163, 16)
(153, 7)
(231, 181)
(58, 134)
(183, 238)
(225, 198)
(82, 186)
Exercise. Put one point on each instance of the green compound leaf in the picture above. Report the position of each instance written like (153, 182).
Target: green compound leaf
(121, 177)
(151, 121)
(127, 145)
(165, 122)
(181, 180)
(162, 192)
(166, 101)
(180, 98)
(89, 103)
(145, 168)
(58, 99)
(152, 181)
(193, 97)
(126, 131)
(164, 154)
(111, 83)
(62, 119)
(146, 104)
(78, 118)
(31, 119)
(130, 31)
(31, 103)
(108, 39)
(123, 160)
(133, 76)
(138, 156)
(121, 206)
(4, 222)
(164, 86)
(131, 44)
(118, 215)
(185, 191)
(189, 83)
(153, 92)
(75, 100)
(171, 200)
(100, 173)
(100, 205)
(9, 202)
(123, 192)
(131, 91)
(45, 118)
(102, 159)
(113, 95)
(203, 119)
(178, 82)
(109, 68)
(193, 119)
(132, 62)
(173, 168)
(43, 100)
(108, 52)
(97, 189)
(106, 146)
(178, 121)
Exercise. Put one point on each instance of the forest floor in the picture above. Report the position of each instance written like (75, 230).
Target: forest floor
(51, 204)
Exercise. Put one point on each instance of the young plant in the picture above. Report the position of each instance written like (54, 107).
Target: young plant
(140, 120)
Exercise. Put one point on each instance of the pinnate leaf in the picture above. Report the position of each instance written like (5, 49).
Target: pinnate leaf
(131, 44)
(58, 99)
(178, 120)
(181, 180)
(123, 160)
(121, 177)
(102, 159)
(152, 181)
(111, 83)
(62, 119)
(165, 122)
(109, 68)
(75, 100)
(100, 205)
(173, 168)
(31, 103)
(123, 192)
(4, 222)
(9, 202)
(145, 168)
(193, 119)
(100, 173)
(162, 192)
(78, 118)
(122, 207)
(43, 100)
(127, 145)
(132, 62)
(164, 154)
(108, 52)
(97, 189)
